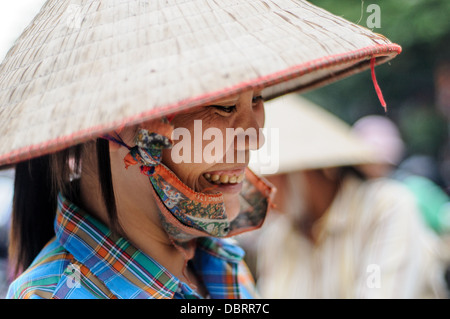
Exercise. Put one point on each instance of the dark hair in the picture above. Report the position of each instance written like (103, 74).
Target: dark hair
(105, 180)
(351, 170)
(37, 184)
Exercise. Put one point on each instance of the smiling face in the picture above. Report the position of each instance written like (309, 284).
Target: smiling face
(218, 147)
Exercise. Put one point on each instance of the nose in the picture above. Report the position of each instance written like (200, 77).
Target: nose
(249, 135)
(249, 124)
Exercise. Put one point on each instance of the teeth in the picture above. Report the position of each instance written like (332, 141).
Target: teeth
(224, 179)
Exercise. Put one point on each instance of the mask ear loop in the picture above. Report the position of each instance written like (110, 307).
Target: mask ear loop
(170, 117)
(117, 139)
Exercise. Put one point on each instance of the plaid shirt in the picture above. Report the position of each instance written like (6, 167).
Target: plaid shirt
(85, 260)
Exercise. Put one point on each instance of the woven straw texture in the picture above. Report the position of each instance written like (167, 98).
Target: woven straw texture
(86, 67)
(309, 137)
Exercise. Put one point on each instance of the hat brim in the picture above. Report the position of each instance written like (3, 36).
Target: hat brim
(66, 81)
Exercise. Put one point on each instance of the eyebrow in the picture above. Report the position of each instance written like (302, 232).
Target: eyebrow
(235, 100)
(228, 101)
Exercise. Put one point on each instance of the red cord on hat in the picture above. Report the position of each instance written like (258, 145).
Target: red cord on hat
(375, 84)
(170, 117)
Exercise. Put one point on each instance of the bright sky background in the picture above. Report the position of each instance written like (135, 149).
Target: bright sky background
(15, 15)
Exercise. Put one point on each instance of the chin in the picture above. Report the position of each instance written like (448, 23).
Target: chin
(232, 207)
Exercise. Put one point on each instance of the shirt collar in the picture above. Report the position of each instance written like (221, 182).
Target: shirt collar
(125, 270)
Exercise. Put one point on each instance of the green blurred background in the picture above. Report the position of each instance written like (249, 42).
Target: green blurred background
(415, 85)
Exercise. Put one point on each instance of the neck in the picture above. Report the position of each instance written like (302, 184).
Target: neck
(137, 213)
(148, 235)
(321, 190)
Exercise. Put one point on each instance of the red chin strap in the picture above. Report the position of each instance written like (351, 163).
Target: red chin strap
(375, 84)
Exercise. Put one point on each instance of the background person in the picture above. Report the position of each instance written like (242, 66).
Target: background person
(335, 233)
(419, 173)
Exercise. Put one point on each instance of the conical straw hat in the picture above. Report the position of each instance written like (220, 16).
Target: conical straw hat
(308, 137)
(86, 67)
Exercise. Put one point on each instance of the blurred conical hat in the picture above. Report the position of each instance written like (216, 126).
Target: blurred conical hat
(83, 68)
(308, 137)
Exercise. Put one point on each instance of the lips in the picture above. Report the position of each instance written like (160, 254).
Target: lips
(224, 178)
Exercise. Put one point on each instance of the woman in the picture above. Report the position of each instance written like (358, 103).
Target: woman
(344, 235)
(133, 93)
(134, 214)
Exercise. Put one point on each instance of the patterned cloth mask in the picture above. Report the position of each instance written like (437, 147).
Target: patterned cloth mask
(186, 214)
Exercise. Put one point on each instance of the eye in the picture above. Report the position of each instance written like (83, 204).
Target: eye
(226, 109)
(257, 99)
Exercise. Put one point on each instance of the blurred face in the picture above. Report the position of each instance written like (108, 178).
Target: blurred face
(212, 144)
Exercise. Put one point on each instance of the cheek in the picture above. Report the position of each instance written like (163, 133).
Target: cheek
(232, 206)
(189, 173)
(216, 144)
(197, 140)
(199, 143)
